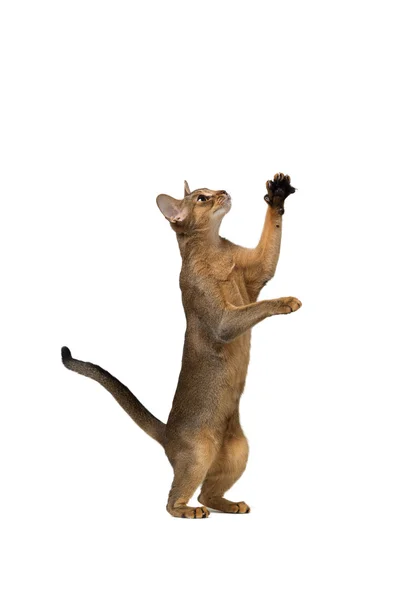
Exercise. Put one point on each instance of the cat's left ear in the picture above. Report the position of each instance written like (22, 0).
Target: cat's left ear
(172, 209)
(186, 189)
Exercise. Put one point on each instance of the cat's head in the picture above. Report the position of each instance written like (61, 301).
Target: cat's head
(198, 211)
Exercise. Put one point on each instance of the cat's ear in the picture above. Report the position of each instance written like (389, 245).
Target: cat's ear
(172, 209)
(186, 188)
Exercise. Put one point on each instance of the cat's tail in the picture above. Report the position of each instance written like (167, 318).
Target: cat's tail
(135, 409)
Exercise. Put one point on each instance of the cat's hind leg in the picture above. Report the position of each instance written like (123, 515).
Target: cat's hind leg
(190, 465)
(226, 469)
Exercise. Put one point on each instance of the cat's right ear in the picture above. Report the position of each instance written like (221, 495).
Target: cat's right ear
(186, 188)
(172, 209)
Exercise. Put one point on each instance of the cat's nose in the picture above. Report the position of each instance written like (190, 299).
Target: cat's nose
(223, 196)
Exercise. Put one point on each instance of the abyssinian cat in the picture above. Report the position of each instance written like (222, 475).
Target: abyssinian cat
(220, 283)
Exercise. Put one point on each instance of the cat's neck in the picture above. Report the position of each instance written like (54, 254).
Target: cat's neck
(199, 241)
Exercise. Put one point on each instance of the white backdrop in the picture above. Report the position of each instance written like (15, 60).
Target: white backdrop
(104, 106)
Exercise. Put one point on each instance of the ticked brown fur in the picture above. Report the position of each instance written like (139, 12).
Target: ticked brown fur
(220, 283)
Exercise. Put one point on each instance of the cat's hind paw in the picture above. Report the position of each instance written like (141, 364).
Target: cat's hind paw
(189, 512)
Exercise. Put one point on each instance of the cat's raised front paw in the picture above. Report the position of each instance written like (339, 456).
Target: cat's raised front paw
(278, 190)
(290, 304)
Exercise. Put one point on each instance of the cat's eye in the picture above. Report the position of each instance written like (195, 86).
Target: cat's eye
(202, 198)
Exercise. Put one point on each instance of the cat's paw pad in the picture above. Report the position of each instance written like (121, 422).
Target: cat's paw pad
(278, 190)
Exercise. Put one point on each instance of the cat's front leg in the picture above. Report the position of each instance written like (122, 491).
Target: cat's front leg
(262, 260)
(236, 320)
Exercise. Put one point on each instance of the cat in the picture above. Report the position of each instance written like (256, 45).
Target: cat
(220, 283)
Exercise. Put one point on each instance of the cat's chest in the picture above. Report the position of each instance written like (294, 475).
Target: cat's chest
(219, 276)
(223, 269)
(233, 289)
(230, 282)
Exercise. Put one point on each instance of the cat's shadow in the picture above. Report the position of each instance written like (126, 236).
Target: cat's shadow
(218, 512)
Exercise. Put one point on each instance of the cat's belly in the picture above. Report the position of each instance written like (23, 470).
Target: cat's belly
(211, 381)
